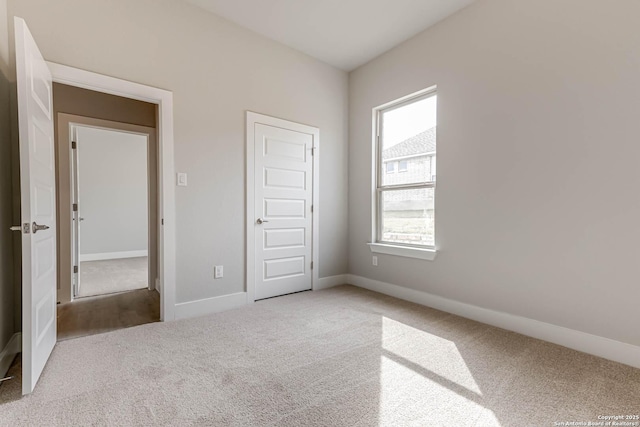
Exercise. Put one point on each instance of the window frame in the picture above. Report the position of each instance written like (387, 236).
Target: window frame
(378, 244)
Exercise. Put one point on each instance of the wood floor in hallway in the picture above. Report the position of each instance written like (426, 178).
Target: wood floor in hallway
(95, 315)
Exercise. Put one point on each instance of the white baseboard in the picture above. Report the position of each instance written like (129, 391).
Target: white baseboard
(331, 281)
(210, 305)
(158, 286)
(13, 347)
(592, 344)
(113, 255)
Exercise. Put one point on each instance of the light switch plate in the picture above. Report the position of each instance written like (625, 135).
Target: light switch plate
(218, 272)
(182, 179)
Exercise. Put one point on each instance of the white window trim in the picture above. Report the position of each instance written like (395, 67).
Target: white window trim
(427, 253)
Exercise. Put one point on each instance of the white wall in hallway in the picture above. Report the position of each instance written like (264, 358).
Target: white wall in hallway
(113, 191)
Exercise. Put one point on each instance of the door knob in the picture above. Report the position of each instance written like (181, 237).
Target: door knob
(37, 227)
(261, 221)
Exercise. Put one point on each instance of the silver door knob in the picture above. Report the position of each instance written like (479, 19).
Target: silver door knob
(261, 221)
(37, 227)
(25, 228)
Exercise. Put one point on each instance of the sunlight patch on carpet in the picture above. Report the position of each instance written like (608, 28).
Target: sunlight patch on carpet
(421, 367)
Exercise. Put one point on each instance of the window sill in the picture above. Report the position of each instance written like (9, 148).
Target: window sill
(404, 251)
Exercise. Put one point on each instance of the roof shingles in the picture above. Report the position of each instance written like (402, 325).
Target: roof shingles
(422, 143)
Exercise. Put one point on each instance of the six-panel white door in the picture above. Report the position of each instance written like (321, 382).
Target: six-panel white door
(283, 210)
(38, 209)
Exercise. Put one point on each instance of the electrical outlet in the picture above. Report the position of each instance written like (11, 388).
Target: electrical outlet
(218, 272)
(375, 260)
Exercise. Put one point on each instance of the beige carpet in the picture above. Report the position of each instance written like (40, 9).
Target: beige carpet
(113, 275)
(339, 357)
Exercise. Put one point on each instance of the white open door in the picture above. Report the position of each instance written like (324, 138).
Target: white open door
(38, 210)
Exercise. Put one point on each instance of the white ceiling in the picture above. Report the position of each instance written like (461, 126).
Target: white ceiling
(343, 33)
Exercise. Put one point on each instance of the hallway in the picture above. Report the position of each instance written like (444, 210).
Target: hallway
(95, 315)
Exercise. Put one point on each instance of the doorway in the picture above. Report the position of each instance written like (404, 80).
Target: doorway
(163, 119)
(282, 224)
(113, 194)
(110, 204)
(108, 221)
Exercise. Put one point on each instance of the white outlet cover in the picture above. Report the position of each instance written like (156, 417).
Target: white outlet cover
(181, 179)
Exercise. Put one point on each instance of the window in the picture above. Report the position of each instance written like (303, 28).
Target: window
(390, 167)
(405, 208)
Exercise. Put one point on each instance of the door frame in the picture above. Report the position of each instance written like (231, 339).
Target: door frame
(66, 124)
(252, 119)
(166, 168)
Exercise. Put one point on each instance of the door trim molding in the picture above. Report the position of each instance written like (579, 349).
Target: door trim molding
(166, 191)
(252, 119)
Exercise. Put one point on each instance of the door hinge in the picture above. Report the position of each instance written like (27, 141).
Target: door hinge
(75, 268)
(312, 265)
(162, 221)
(75, 207)
(311, 208)
(313, 151)
(74, 145)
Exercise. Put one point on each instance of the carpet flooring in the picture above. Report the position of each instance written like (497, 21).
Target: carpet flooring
(338, 357)
(113, 275)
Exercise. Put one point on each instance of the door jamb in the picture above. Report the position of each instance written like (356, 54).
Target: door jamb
(166, 191)
(251, 120)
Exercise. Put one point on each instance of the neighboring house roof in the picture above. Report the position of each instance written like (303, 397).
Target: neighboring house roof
(422, 143)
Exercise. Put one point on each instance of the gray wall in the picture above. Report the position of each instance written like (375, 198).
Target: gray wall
(7, 297)
(537, 201)
(113, 191)
(98, 105)
(10, 242)
(4, 39)
(216, 71)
